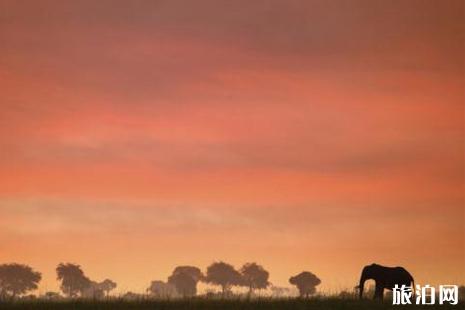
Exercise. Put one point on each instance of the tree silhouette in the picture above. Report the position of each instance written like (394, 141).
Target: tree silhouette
(305, 282)
(73, 280)
(98, 290)
(185, 285)
(185, 279)
(107, 285)
(278, 291)
(254, 277)
(94, 291)
(160, 289)
(224, 275)
(17, 279)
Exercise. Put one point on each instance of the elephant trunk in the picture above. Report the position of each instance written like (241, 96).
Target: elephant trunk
(363, 278)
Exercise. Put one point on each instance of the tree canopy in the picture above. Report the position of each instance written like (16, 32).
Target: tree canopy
(107, 285)
(160, 289)
(306, 283)
(224, 275)
(17, 279)
(73, 280)
(185, 279)
(254, 277)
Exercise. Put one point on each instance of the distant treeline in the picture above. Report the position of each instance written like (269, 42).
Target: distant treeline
(18, 280)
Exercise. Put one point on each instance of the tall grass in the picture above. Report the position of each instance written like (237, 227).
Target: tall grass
(220, 304)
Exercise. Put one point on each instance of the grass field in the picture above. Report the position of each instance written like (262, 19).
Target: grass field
(207, 304)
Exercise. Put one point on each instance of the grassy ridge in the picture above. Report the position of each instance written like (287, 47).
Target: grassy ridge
(217, 304)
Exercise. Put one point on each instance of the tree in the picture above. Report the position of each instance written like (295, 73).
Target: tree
(98, 290)
(107, 285)
(94, 291)
(224, 275)
(254, 277)
(305, 282)
(185, 285)
(17, 279)
(160, 289)
(73, 280)
(185, 279)
(279, 292)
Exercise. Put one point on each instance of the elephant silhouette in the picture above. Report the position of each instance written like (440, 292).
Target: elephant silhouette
(385, 278)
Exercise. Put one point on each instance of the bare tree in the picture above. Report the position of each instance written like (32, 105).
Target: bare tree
(185, 279)
(73, 280)
(17, 279)
(254, 277)
(224, 275)
(306, 283)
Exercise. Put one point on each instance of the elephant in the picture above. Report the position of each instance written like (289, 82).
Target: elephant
(385, 278)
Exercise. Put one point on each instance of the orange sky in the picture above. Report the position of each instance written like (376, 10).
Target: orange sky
(304, 135)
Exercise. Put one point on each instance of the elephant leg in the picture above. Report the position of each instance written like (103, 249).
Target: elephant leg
(379, 292)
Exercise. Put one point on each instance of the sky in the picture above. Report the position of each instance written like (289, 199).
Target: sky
(136, 136)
